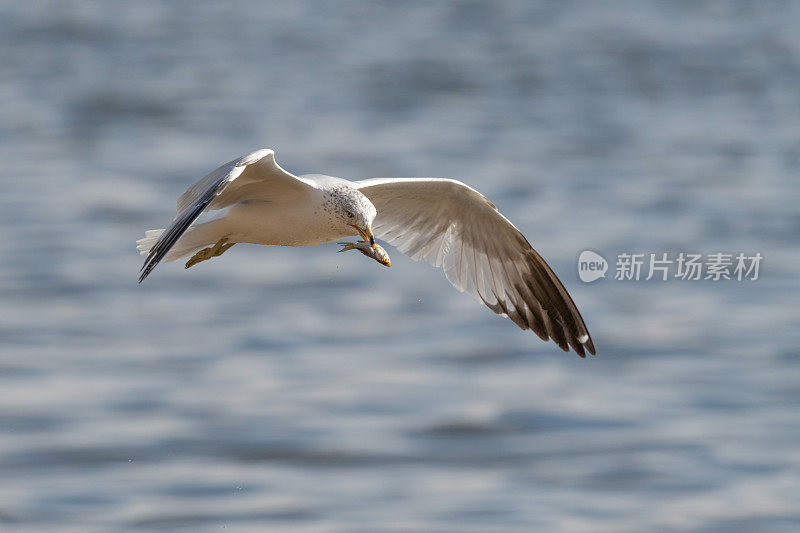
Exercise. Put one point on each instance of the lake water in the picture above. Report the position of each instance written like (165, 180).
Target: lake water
(301, 390)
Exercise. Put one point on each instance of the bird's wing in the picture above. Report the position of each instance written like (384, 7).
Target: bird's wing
(253, 177)
(453, 226)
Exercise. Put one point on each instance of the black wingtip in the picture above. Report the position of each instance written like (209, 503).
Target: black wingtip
(589, 345)
(147, 267)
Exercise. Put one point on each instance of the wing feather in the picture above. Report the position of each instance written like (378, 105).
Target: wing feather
(453, 226)
(255, 176)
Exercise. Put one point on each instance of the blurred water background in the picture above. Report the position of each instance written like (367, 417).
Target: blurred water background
(302, 390)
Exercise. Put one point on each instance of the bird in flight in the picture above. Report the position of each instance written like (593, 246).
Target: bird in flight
(441, 220)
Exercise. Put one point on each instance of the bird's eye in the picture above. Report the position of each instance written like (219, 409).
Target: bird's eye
(349, 214)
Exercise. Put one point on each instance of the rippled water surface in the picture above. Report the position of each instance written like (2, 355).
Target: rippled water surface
(302, 390)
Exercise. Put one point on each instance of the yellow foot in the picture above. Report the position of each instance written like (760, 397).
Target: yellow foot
(212, 251)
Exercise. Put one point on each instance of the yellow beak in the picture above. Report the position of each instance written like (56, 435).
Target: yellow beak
(366, 234)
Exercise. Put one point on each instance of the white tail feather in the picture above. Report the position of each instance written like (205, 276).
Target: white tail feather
(148, 241)
(190, 242)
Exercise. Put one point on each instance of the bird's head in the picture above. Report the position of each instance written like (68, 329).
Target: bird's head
(354, 211)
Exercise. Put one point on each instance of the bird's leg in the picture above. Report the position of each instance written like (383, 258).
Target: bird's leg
(212, 251)
(224, 248)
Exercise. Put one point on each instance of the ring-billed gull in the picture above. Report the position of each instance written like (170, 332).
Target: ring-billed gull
(440, 220)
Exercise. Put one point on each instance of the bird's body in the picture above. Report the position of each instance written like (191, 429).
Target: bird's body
(440, 220)
(302, 221)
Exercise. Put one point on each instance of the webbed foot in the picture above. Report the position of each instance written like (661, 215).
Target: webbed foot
(207, 253)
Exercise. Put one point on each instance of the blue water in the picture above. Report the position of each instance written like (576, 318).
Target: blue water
(301, 390)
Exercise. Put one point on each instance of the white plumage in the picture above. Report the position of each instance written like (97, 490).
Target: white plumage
(440, 220)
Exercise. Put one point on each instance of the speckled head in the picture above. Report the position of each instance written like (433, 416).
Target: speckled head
(349, 207)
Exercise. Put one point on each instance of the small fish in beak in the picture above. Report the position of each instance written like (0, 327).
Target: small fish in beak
(366, 234)
(375, 251)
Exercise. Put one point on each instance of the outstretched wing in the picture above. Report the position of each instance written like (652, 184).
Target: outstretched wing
(253, 177)
(453, 226)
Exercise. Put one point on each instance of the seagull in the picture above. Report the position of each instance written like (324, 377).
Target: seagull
(441, 220)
